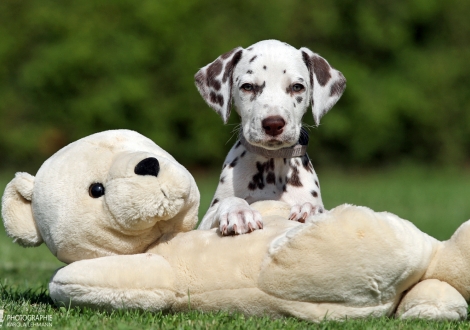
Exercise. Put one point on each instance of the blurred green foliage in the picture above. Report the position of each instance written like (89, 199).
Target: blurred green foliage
(72, 68)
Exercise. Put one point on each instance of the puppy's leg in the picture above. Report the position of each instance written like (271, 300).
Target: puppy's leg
(303, 190)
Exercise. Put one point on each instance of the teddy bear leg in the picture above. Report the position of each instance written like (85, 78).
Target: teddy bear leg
(142, 281)
(433, 299)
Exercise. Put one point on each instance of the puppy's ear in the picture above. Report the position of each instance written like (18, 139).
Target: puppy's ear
(214, 82)
(17, 213)
(327, 84)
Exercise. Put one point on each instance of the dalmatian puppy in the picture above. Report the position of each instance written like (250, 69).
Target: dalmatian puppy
(271, 85)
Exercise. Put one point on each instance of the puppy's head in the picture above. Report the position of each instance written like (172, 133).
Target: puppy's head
(272, 84)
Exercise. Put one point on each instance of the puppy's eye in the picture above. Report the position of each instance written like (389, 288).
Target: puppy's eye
(297, 87)
(247, 87)
(96, 190)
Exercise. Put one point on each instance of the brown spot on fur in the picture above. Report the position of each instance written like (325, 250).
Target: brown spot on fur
(216, 98)
(308, 63)
(294, 179)
(214, 83)
(264, 67)
(222, 179)
(258, 179)
(215, 68)
(271, 164)
(270, 178)
(215, 201)
(257, 90)
(322, 70)
(234, 162)
(231, 64)
(314, 194)
(316, 182)
(284, 71)
(243, 154)
(299, 99)
(338, 87)
(249, 72)
(253, 58)
(306, 163)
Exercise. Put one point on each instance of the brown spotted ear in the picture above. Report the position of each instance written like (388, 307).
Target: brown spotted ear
(214, 82)
(327, 84)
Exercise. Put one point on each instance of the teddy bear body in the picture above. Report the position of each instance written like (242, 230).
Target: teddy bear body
(285, 269)
(120, 210)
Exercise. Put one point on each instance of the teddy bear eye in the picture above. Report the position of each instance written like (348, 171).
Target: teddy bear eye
(96, 190)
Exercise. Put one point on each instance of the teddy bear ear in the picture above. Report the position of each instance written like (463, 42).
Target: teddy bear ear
(17, 213)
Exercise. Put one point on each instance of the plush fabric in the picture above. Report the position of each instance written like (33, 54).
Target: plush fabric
(133, 247)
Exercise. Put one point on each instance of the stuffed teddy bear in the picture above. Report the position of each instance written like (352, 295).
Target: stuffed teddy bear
(110, 193)
(120, 210)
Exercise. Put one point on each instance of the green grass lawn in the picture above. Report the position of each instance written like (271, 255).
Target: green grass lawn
(434, 200)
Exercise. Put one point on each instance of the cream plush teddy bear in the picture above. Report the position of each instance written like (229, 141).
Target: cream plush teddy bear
(120, 210)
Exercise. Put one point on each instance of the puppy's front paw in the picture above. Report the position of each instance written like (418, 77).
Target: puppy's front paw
(301, 212)
(240, 220)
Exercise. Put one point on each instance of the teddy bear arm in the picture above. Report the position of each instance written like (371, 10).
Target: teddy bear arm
(451, 263)
(433, 299)
(142, 281)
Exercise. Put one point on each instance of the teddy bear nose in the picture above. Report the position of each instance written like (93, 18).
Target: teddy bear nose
(147, 166)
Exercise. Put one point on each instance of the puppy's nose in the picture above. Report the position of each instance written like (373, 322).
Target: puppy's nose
(273, 125)
(147, 166)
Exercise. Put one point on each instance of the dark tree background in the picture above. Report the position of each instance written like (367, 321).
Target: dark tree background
(73, 68)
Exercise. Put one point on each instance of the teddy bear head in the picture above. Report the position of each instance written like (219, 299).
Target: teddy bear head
(114, 192)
